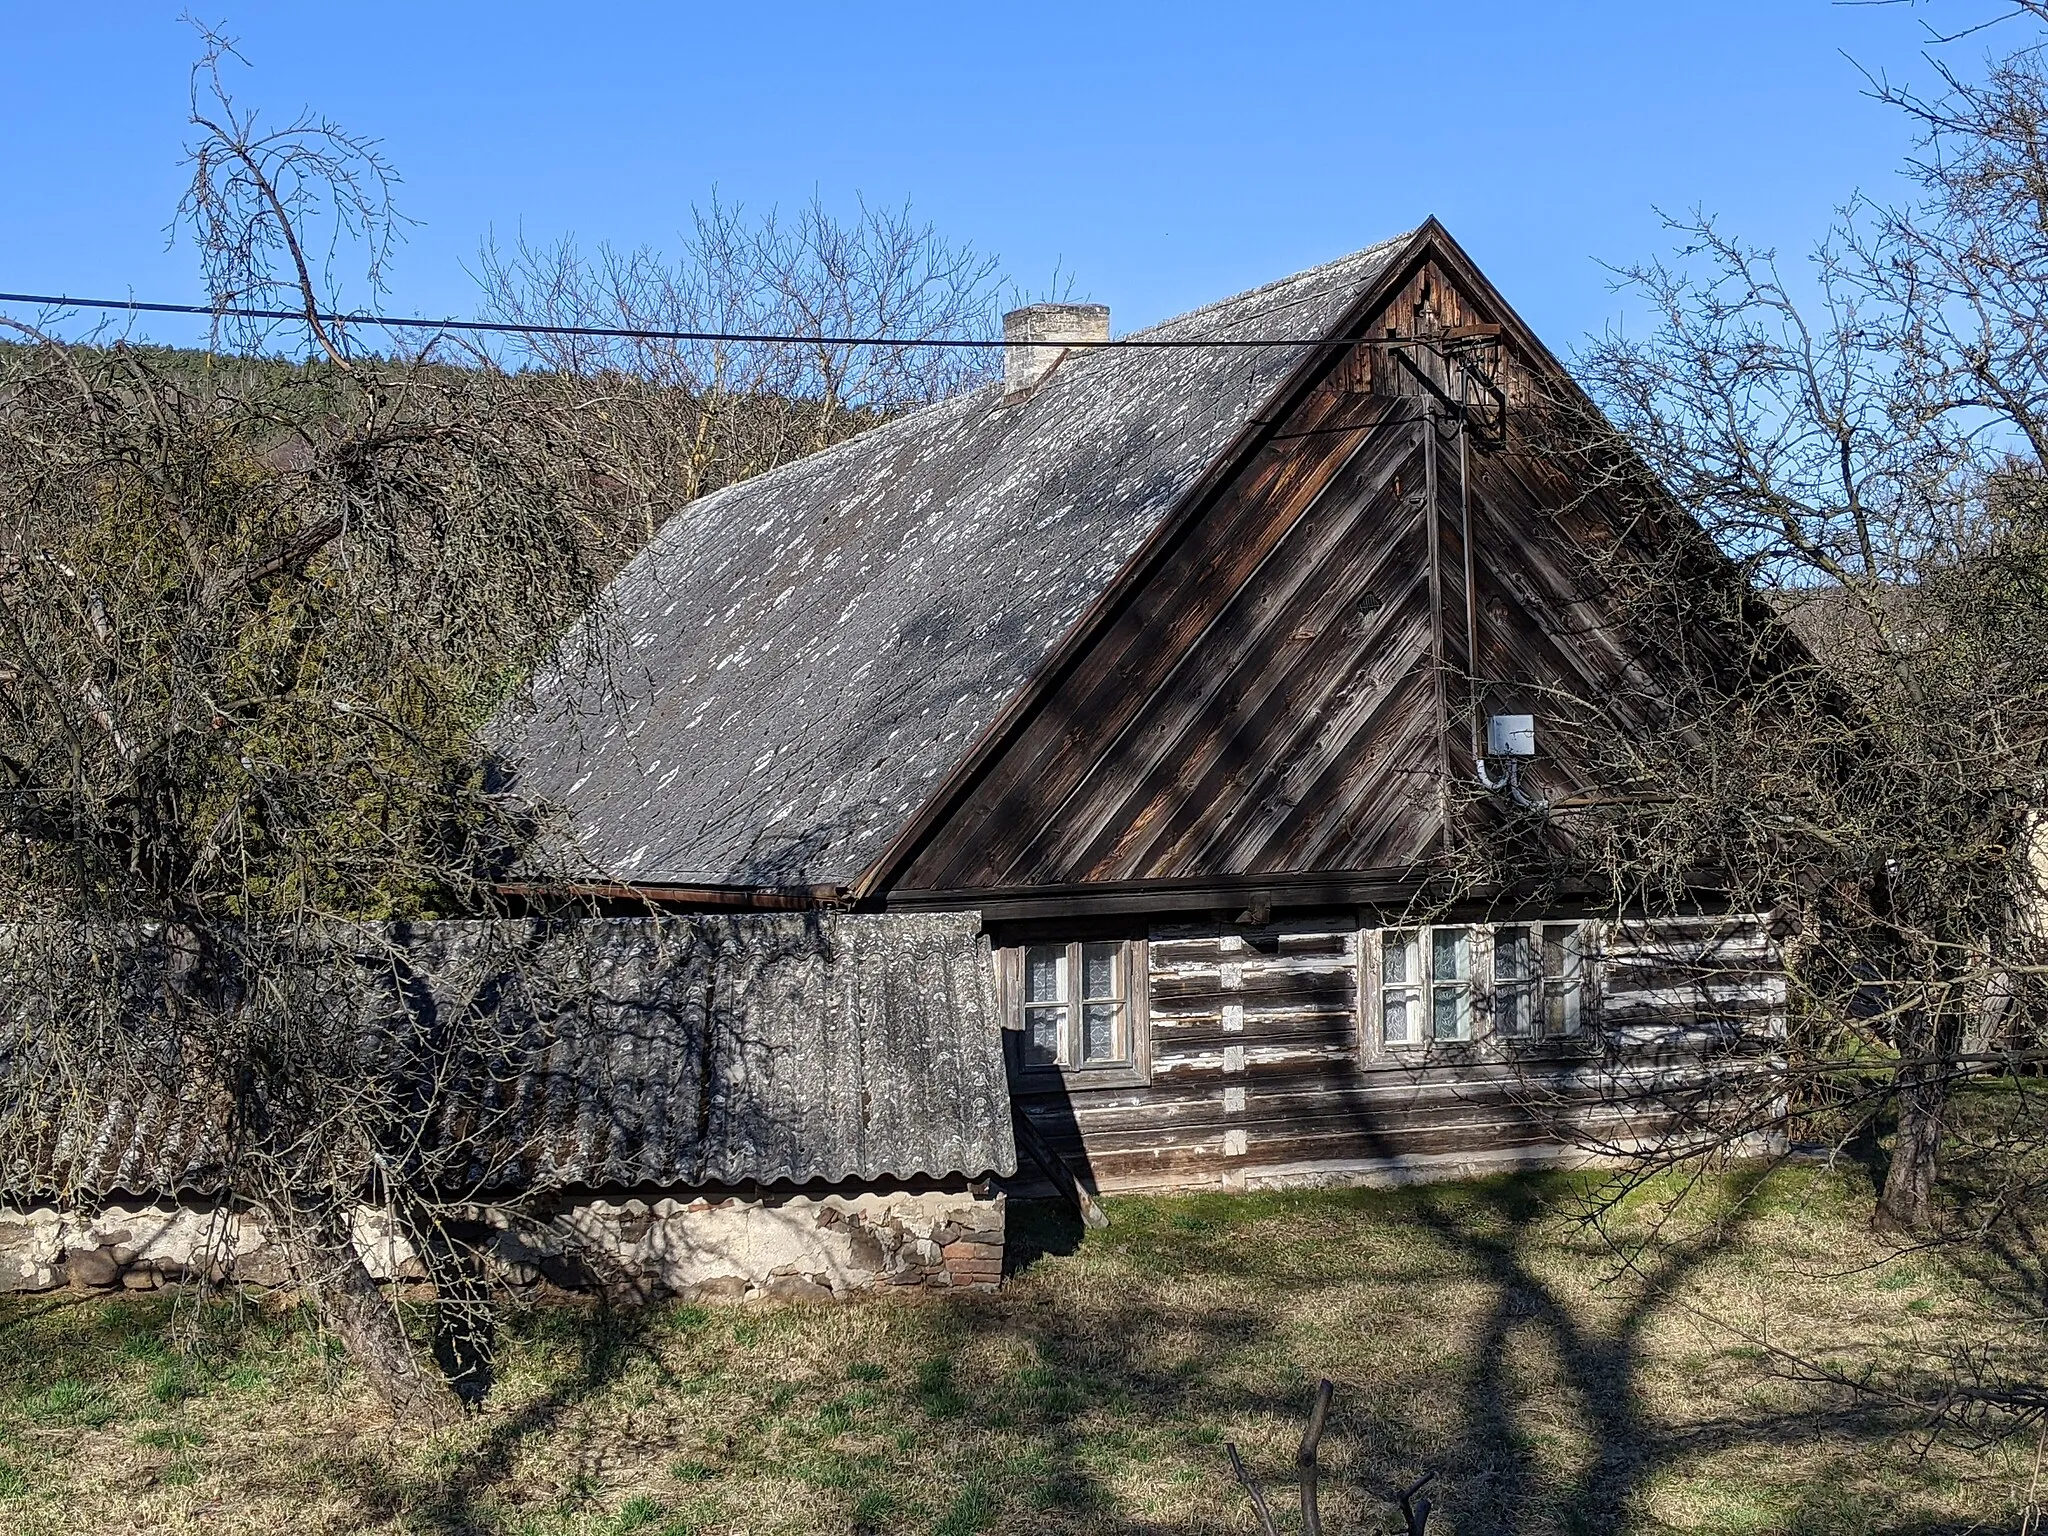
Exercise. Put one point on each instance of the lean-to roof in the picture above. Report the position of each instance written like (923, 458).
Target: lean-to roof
(801, 659)
(708, 1049)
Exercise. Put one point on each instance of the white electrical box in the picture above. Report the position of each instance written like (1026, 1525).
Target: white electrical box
(1511, 736)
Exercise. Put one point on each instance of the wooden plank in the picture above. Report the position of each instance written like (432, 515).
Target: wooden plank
(1302, 606)
(1189, 1162)
(1261, 988)
(1468, 1124)
(1179, 943)
(1334, 1018)
(1135, 651)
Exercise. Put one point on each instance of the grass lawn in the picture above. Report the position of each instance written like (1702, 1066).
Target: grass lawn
(1472, 1328)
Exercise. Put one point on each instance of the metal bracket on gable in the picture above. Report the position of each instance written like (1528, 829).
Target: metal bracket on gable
(1460, 370)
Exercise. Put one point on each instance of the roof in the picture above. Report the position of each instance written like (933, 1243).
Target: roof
(729, 1049)
(798, 661)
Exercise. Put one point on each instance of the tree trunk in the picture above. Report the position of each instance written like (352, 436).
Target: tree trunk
(465, 1322)
(1920, 1087)
(359, 1314)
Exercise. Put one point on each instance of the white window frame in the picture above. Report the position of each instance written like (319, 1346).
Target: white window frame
(1555, 997)
(1131, 1061)
(1421, 989)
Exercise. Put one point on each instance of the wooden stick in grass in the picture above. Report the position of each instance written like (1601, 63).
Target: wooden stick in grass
(1305, 1459)
(1251, 1487)
(1414, 1512)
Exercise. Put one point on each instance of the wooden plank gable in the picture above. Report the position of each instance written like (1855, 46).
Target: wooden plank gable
(1285, 691)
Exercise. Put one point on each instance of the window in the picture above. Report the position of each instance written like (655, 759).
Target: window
(1426, 988)
(1538, 980)
(1435, 1000)
(1078, 1007)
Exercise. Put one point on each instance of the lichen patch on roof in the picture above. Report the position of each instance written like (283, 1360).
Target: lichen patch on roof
(807, 654)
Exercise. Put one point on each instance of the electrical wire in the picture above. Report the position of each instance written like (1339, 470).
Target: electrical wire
(514, 328)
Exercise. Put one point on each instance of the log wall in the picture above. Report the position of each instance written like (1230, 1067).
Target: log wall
(1265, 1069)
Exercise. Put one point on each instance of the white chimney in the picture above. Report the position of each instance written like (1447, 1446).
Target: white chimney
(1036, 337)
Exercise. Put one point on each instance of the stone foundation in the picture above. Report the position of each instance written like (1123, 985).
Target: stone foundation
(714, 1248)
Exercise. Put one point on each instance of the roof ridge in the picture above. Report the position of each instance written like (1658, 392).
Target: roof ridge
(896, 424)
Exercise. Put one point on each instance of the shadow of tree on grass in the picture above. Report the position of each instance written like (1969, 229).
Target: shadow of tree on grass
(1470, 1328)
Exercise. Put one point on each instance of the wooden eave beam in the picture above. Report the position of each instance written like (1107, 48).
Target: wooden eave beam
(1386, 890)
(1345, 888)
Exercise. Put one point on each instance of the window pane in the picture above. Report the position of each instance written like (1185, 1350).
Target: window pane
(1558, 1013)
(1560, 950)
(1045, 968)
(1512, 955)
(1561, 1007)
(1450, 1013)
(1399, 1007)
(1515, 1009)
(1042, 1035)
(1450, 954)
(1397, 958)
(1563, 972)
(1099, 1032)
(1098, 969)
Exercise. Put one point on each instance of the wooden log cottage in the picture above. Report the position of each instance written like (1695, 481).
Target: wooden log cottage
(1062, 765)
(1158, 660)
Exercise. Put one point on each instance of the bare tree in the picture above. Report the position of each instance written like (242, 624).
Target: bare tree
(262, 198)
(673, 419)
(251, 620)
(1863, 440)
(254, 618)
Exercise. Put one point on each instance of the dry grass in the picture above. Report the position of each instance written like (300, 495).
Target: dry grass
(1472, 1328)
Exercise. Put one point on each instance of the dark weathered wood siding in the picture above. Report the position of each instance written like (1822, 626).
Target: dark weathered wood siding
(1167, 749)
(1264, 1067)
(1283, 690)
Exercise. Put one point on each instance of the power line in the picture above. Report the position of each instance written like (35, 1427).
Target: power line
(512, 328)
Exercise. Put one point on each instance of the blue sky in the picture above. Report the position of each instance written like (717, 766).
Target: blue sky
(1164, 155)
